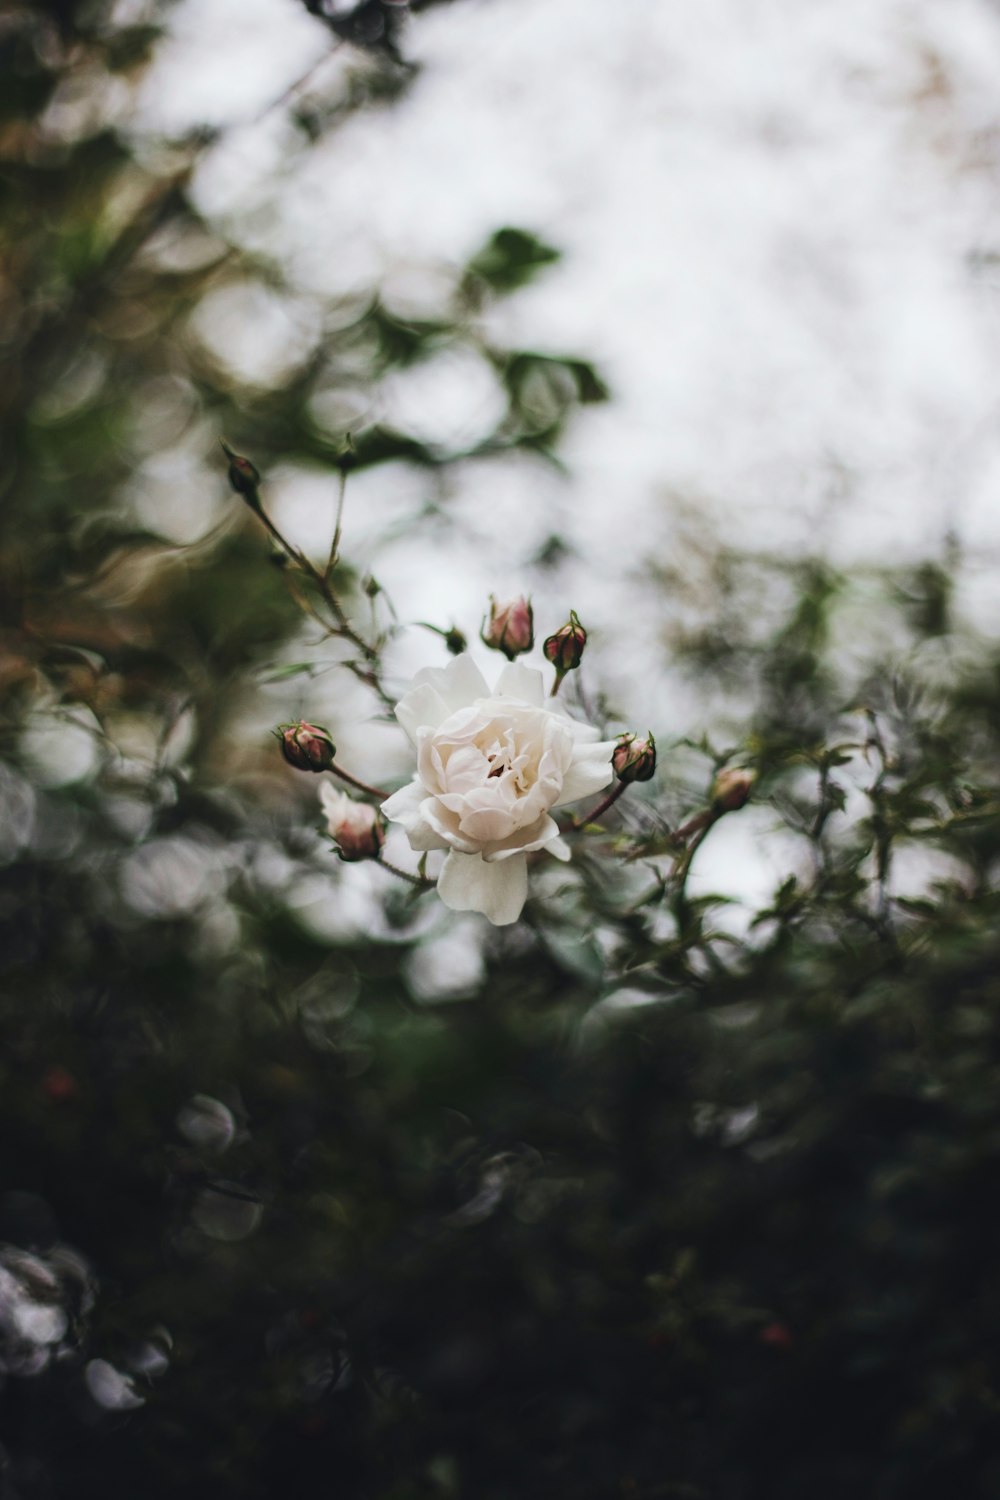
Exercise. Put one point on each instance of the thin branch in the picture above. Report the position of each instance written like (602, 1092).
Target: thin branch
(335, 544)
(601, 808)
(369, 672)
(420, 881)
(701, 826)
(361, 786)
(299, 84)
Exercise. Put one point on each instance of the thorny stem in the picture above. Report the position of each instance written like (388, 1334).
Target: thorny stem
(420, 881)
(362, 786)
(700, 825)
(367, 673)
(335, 544)
(701, 821)
(601, 807)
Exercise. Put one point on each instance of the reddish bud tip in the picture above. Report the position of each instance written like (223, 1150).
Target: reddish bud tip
(510, 627)
(565, 649)
(244, 478)
(777, 1335)
(307, 747)
(732, 790)
(59, 1084)
(634, 759)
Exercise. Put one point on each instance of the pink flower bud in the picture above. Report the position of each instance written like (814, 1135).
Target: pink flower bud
(307, 747)
(355, 827)
(565, 649)
(634, 759)
(510, 628)
(732, 789)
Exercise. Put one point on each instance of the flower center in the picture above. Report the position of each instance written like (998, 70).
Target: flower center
(501, 754)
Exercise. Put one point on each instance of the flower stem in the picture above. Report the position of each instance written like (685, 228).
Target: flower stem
(362, 786)
(420, 881)
(602, 807)
(700, 825)
(696, 824)
(367, 673)
(335, 544)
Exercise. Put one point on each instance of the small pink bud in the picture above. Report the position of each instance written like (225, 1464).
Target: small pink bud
(510, 628)
(307, 747)
(565, 649)
(732, 789)
(634, 759)
(355, 827)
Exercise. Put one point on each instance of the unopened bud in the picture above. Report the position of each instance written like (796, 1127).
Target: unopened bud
(634, 759)
(244, 478)
(455, 641)
(565, 649)
(510, 627)
(732, 789)
(355, 827)
(307, 747)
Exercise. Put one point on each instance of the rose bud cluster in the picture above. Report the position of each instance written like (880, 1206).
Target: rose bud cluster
(355, 827)
(634, 759)
(732, 790)
(307, 747)
(510, 627)
(564, 649)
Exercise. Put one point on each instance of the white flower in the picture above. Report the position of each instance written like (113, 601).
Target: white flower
(354, 826)
(490, 767)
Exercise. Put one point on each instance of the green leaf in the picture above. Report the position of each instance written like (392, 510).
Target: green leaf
(510, 259)
(282, 673)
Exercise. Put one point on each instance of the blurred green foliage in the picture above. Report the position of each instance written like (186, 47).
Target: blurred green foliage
(671, 1205)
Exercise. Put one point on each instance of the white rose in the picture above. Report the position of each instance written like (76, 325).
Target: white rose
(490, 767)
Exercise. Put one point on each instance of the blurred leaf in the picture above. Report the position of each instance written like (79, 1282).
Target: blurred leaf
(510, 259)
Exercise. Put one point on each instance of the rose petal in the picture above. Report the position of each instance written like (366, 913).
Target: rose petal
(445, 824)
(582, 733)
(590, 772)
(467, 769)
(486, 825)
(336, 804)
(521, 682)
(404, 807)
(498, 891)
(542, 834)
(437, 692)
